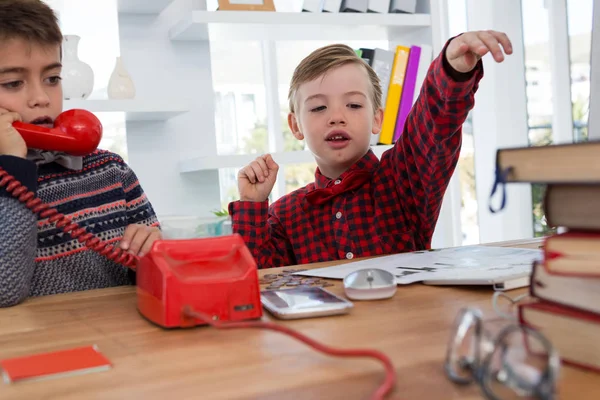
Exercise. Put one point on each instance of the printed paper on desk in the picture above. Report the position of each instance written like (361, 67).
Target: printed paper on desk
(475, 264)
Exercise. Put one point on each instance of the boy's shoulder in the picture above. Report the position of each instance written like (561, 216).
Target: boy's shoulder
(103, 158)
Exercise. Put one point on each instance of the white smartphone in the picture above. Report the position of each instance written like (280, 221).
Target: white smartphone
(303, 302)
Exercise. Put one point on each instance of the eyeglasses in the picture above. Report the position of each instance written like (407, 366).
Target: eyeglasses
(517, 362)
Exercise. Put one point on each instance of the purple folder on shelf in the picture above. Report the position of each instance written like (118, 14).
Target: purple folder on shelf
(408, 90)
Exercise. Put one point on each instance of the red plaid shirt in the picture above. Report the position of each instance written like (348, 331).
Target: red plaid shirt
(396, 211)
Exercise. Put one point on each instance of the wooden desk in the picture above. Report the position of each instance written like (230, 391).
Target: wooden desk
(152, 363)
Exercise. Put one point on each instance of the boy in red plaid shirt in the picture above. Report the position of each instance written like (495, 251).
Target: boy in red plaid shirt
(358, 205)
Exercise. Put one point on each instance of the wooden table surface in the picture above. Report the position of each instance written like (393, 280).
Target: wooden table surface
(149, 362)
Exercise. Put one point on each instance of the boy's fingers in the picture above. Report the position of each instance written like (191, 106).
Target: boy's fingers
(138, 240)
(460, 47)
(477, 46)
(154, 235)
(492, 45)
(128, 236)
(263, 165)
(10, 116)
(503, 39)
(271, 163)
(258, 172)
(249, 173)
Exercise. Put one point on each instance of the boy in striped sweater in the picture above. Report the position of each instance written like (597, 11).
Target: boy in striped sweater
(98, 191)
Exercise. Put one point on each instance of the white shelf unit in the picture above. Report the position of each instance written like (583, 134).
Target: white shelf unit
(239, 160)
(134, 109)
(203, 26)
(142, 6)
(265, 25)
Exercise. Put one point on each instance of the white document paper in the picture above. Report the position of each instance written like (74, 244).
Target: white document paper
(472, 264)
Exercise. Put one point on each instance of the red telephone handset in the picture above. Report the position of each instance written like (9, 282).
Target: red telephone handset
(76, 132)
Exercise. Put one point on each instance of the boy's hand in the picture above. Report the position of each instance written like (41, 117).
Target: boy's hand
(464, 51)
(11, 142)
(138, 238)
(256, 180)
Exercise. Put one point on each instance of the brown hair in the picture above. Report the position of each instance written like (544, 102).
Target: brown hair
(326, 58)
(31, 20)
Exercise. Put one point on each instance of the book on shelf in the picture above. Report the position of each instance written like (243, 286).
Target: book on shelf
(401, 73)
(408, 90)
(361, 6)
(357, 6)
(332, 6)
(379, 6)
(403, 6)
(314, 6)
(392, 102)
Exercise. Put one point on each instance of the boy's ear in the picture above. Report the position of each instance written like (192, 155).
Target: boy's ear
(377, 121)
(294, 126)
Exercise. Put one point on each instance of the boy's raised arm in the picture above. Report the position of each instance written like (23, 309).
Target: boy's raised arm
(424, 158)
(260, 229)
(18, 234)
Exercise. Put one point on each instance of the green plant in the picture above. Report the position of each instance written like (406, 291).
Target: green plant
(221, 213)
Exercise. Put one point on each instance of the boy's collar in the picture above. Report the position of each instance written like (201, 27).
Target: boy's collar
(367, 163)
(44, 157)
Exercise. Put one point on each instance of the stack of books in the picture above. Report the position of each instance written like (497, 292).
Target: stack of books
(566, 282)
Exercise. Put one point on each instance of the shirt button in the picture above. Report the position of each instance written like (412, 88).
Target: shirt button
(337, 182)
(338, 215)
(349, 255)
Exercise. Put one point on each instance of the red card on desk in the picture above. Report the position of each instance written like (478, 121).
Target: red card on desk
(54, 364)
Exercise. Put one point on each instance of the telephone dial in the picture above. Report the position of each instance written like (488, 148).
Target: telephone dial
(215, 275)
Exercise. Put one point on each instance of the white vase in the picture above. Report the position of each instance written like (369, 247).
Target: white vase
(77, 76)
(120, 85)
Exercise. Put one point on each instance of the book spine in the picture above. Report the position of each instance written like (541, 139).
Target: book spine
(408, 90)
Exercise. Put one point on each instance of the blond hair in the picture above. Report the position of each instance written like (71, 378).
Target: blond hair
(324, 59)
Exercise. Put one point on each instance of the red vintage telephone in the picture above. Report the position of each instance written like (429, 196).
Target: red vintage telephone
(172, 274)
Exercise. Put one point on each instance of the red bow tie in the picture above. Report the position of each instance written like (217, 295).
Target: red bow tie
(352, 181)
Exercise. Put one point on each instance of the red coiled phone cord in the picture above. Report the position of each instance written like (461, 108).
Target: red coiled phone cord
(20, 192)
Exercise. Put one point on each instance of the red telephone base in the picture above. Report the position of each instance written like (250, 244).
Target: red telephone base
(216, 276)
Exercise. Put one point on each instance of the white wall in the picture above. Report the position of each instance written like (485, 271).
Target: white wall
(181, 71)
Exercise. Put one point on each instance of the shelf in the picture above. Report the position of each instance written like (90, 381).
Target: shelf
(142, 6)
(266, 25)
(240, 160)
(135, 110)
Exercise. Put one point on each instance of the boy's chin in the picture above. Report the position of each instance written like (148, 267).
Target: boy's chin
(344, 157)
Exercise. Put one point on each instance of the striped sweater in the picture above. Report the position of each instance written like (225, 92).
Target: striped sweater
(36, 258)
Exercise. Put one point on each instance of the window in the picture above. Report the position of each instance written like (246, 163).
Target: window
(539, 94)
(539, 82)
(457, 20)
(580, 42)
(240, 98)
